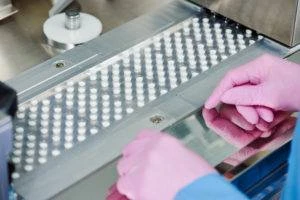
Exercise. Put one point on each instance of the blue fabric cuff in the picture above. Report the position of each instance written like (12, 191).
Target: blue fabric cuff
(212, 187)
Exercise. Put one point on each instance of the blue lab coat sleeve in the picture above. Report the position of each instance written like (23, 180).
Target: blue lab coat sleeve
(215, 187)
(292, 187)
(212, 187)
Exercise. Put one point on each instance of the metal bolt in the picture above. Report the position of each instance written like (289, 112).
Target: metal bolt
(72, 19)
(156, 119)
(59, 64)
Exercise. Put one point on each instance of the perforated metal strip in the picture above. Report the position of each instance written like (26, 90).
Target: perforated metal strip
(86, 104)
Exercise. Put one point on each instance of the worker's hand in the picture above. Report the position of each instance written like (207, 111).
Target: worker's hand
(156, 166)
(280, 135)
(267, 118)
(229, 124)
(267, 82)
(255, 114)
(114, 194)
(233, 114)
(233, 128)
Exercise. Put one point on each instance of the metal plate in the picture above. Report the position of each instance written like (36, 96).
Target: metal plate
(259, 15)
(86, 104)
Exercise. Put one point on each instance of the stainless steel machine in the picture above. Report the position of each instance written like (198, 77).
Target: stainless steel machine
(79, 109)
(6, 9)
(278, 19)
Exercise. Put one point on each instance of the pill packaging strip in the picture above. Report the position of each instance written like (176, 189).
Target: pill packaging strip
(90, 102)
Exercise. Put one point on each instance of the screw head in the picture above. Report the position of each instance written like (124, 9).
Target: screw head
(156, 119)
(59, 64)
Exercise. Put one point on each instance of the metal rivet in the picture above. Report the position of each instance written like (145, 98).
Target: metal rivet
(156, 119)
(59, 64)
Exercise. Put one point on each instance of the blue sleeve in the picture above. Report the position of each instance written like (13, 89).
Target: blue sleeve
(215, 187)
(212, 187)
(291, 189)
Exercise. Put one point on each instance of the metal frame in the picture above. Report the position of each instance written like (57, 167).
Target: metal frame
(45, 75)
(6, 9)
(296, 36)
(266, 17)
(98, 153)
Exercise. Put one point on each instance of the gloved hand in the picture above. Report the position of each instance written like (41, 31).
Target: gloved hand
(229, 124)
(156, 166)
(231, 113)
(114, 194)
(267, 81)
(234, 129)
(281, 134)
(256, 114)
(262, 116)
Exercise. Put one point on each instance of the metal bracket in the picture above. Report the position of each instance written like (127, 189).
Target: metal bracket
(6, 9)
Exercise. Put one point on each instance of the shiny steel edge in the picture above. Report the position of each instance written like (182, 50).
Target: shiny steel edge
(6, 9)
(296, 36)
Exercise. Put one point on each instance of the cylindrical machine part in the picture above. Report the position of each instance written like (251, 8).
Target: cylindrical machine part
(72, 20)
(65, 30)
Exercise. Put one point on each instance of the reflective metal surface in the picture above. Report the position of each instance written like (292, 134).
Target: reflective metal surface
(225, 145)
(204, 141)
(6, 9)
(22, 45)
(277, 19)
(172, 108)
(76, 110)
(82, 106)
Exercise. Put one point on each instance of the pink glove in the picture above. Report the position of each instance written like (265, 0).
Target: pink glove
(231, 113)
(253, 114)
(267, 81)
(114, 194)
(281, 134)
(230, 126)
(233, 128)
(156, 166)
